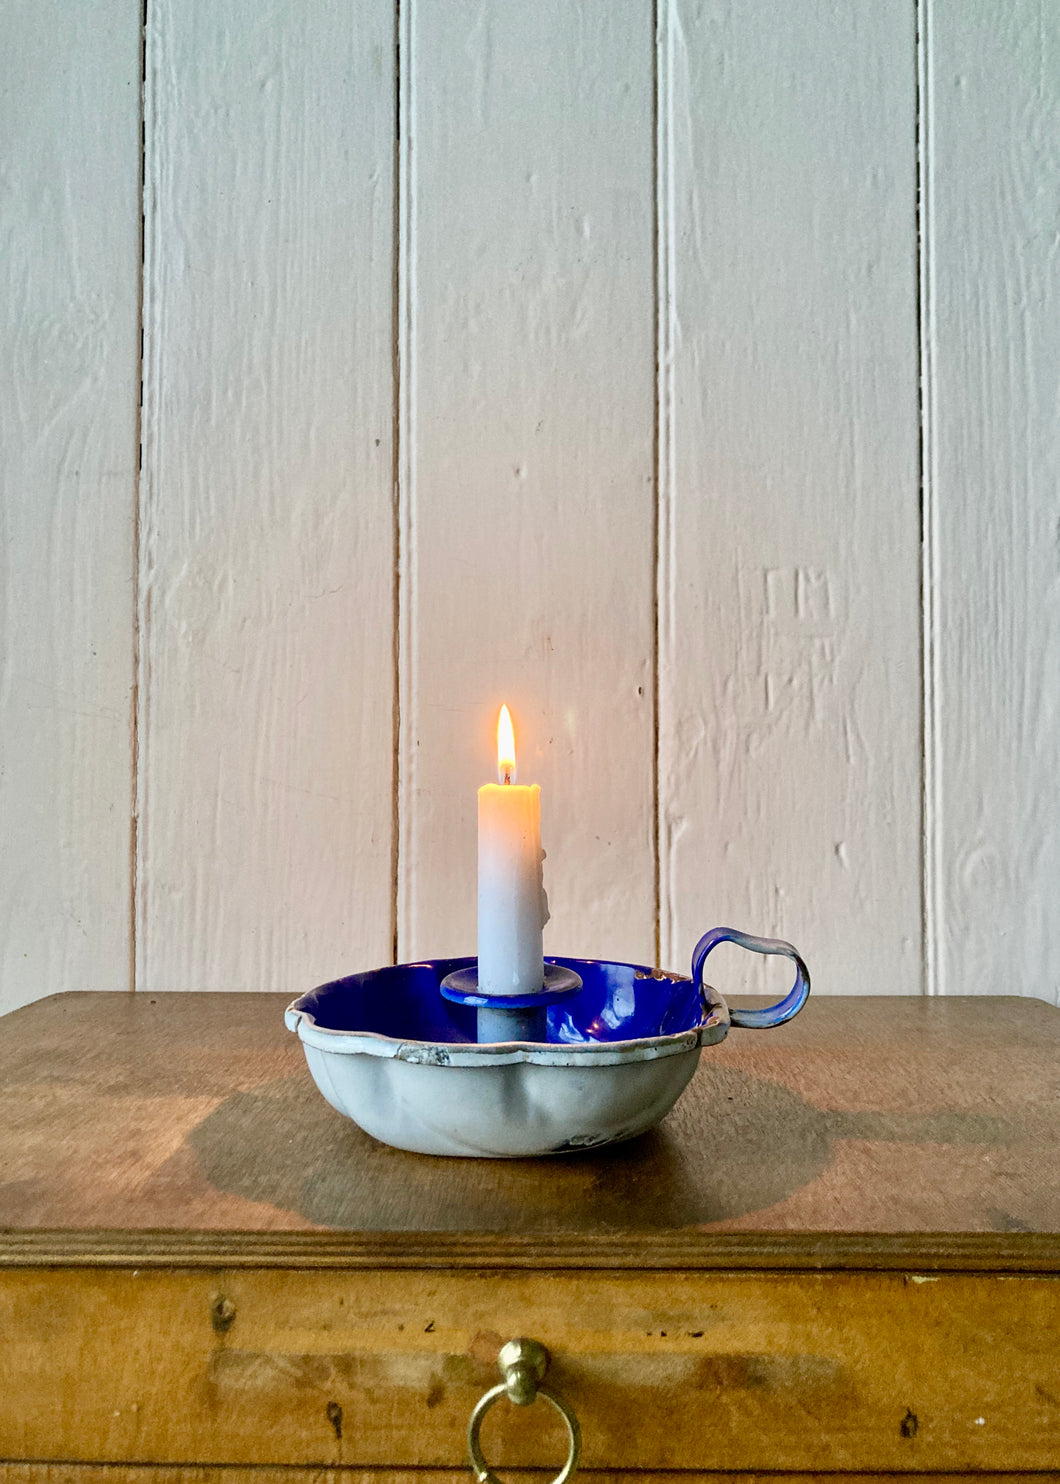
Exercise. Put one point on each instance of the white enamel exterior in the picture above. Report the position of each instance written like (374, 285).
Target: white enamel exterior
(504, 1101)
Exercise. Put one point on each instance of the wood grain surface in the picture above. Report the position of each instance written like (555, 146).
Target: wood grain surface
(69, 408)
(266, 533)
(528, 575)
(723, 1370)
(789, 776)
(992, 172)
(683, 372)
(196, 1113)
(96, 1473)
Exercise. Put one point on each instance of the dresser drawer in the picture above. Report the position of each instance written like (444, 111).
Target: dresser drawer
(676, 1370)
(102, 1473)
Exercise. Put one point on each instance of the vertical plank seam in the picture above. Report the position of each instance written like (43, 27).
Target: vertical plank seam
(149, 419)
(405, 494)
(396, 489)
(657, 483)
(134, 696)
(931, 884)
(663, 566)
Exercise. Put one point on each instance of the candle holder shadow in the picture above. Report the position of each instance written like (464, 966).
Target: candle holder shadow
(399, 1050)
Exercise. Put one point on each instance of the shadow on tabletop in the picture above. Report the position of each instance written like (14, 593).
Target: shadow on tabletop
(739, 1145)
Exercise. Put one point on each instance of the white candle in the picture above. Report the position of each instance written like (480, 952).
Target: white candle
(511, 901)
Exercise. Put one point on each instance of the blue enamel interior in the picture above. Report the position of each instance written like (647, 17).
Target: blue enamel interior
(404, 1001)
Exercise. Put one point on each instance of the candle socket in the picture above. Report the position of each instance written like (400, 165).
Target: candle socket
(511, 1017)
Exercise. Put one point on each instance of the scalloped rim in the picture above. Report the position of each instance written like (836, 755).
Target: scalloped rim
(506, 1053)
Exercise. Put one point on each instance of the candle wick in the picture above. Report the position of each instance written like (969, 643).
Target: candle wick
(507, 775)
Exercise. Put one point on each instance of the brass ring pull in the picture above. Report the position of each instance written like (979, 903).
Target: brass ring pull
(523, 1364)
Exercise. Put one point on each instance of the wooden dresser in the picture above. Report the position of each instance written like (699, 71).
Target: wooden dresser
(838, 1256)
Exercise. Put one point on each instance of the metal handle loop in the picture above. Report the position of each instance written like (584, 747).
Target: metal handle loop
(777, 1014)
(523, 1363)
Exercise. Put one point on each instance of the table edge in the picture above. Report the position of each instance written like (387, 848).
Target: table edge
(993, 1252)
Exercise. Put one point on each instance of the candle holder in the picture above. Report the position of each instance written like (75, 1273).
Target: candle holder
(401, 1051)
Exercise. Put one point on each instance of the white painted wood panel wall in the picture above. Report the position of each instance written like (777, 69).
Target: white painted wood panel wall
(683, 373)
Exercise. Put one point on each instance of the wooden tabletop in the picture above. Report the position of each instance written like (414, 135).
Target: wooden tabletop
(870, 1131)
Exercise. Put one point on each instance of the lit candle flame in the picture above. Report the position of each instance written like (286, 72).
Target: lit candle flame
(505, 747)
